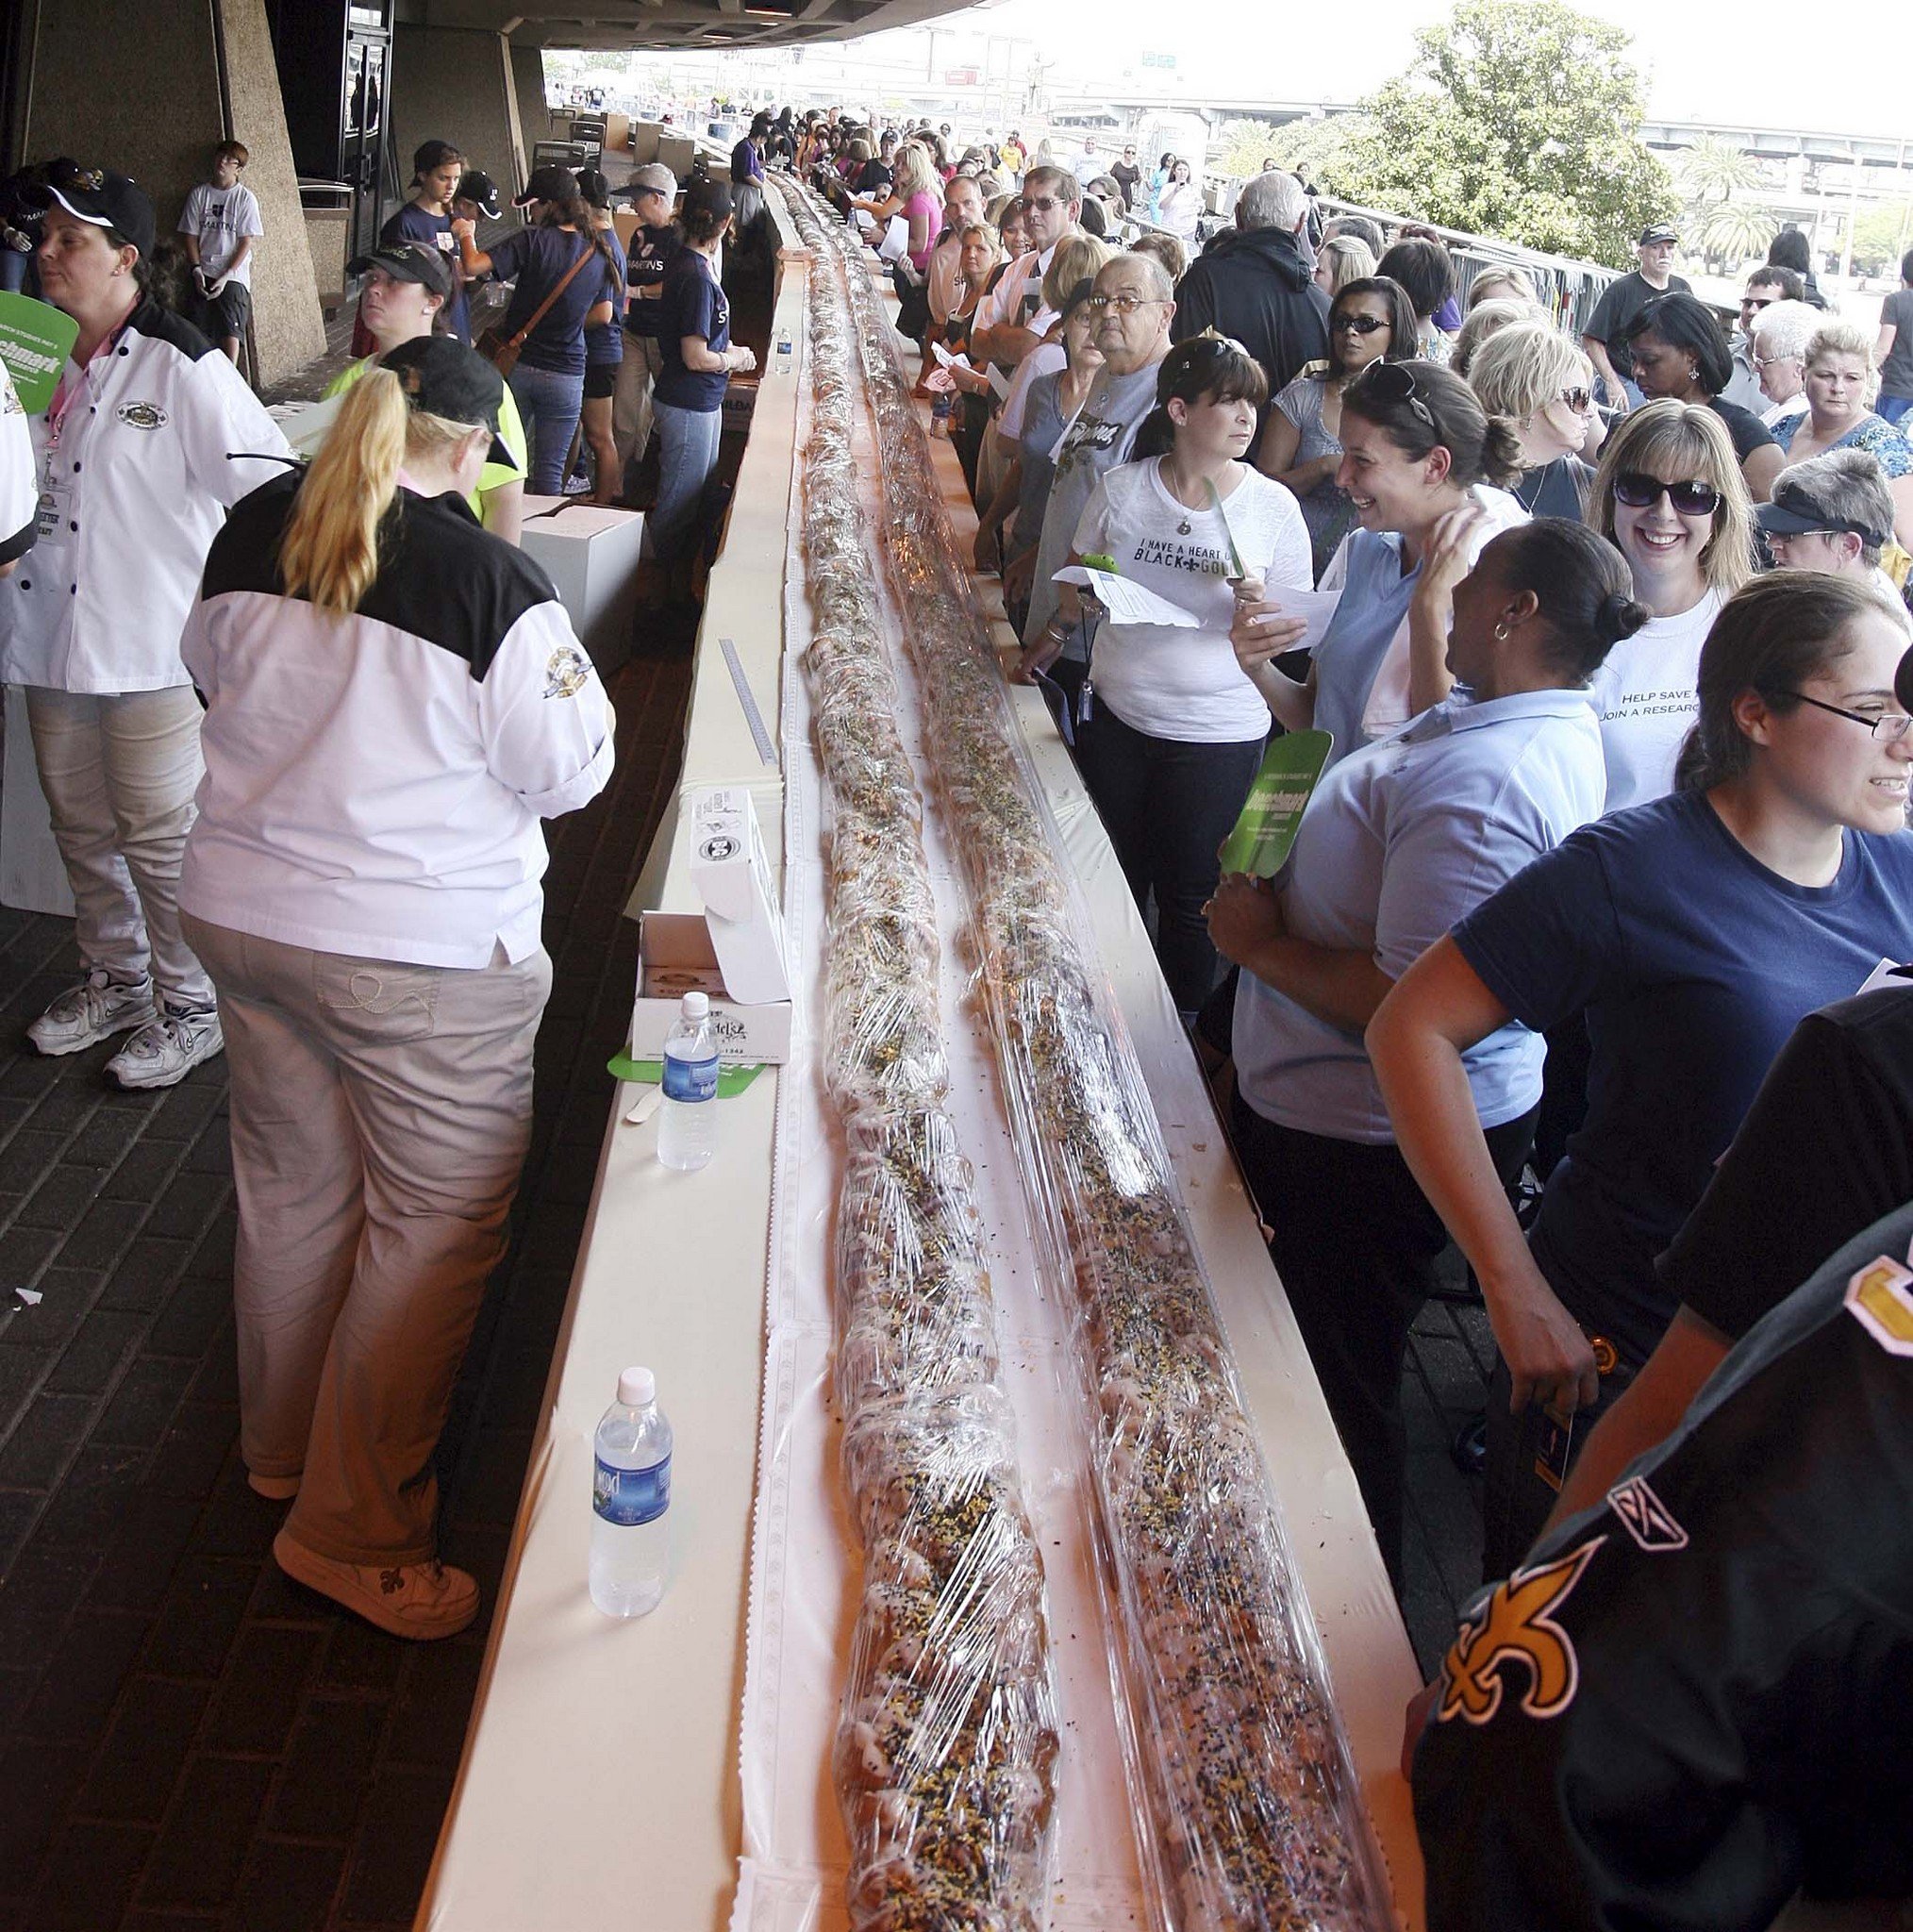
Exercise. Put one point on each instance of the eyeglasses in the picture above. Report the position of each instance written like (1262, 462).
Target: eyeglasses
(1394, 382)
(1122, 305)
(1579, 400)
(1356, 325)
(1639, 491)
(1043, 203)
(1773, 361)
(1887, 728)
(1748, 302)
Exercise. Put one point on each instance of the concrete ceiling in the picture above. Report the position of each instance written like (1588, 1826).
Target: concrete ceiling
(699, 25)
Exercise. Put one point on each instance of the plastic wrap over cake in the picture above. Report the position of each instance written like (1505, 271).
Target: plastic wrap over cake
(1240, 1762)
(945, 1761)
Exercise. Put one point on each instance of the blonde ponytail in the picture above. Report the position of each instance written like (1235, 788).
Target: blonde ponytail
(329, 552)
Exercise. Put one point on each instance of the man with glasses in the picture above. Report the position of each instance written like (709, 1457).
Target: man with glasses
(1133, 303)
(1011, 320)
(1833, 513)
(1765, 287)
(1255, 283)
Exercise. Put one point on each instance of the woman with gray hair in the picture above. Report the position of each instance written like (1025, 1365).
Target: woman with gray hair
(1779, 337)
(1834, 514)
(1840, 383)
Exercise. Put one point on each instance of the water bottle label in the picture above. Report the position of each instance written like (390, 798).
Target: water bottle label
(690, 1079)
(630, 1496)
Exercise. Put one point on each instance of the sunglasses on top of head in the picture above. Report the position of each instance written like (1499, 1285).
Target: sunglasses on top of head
(1639, 491)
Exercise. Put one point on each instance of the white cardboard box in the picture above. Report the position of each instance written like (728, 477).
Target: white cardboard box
(732, 874)
(675, 956)
(590, 552)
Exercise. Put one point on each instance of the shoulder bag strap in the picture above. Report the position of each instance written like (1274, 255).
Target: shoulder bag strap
(564, 282)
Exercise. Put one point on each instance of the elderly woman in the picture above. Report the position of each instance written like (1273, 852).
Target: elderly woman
(1540, 381)
(1778, 340)
(1483, 320)
(1840, 383)
(1681, 355)
(1342, 259)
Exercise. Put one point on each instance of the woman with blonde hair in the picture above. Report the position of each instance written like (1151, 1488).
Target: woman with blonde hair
(395, 701)
(1669, 496)
(1484, 320)
(1841, 383)
(1342, 259)
(1503, 284)
(1540, 381)
(917, 195)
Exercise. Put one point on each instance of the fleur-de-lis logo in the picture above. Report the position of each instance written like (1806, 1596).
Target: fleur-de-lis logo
(1517, 1626)
(89, 180)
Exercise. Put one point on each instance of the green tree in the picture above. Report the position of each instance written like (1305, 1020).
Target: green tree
(1716, 170)
(1732, 232)
(1519, 118)
(1881, 237)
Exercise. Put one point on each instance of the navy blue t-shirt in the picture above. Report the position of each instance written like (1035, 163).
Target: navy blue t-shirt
(606, 344)
(1694, 963)
(538, 257)
(692, 304)
(653, 251)
(415, 224)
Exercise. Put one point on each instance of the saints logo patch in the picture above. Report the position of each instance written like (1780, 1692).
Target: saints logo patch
(1880, 1298)
(142, 416)
(1517, 1628)
(566, 672)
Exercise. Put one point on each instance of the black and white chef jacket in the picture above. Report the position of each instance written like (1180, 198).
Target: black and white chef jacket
(137, 461)
(374, 783)
(18, 492)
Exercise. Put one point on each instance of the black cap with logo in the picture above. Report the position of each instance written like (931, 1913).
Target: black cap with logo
(549, 183)
(409, 261)
(441, 376)
(108, 201)
(480, 190)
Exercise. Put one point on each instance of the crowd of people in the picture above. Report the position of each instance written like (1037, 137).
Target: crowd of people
(1607, 628)
(1613, 822)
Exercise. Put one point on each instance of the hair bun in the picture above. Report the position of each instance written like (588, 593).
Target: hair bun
(1619, 617)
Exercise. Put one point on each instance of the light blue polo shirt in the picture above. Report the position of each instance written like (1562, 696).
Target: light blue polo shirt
(1375, 599)
(1402, 838)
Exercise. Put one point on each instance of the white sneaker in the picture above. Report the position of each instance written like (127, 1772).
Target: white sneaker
(416, 1600)
(165, 1050)
(99, 1006)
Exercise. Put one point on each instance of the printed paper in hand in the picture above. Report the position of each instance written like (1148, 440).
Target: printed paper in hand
(1127, 603)
(1889, 973)
(1259, 845)
(1315, 608)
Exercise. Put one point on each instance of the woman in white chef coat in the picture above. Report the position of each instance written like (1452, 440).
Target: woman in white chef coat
(149, 437)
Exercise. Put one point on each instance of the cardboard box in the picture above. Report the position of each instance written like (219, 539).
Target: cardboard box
(624, 225)
(732, 874)
(675, 956)
(678, 152)
(591, 554)
(740, 403)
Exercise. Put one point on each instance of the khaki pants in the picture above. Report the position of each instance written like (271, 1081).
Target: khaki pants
(380, 1115)
(119, 771)
(631, 414)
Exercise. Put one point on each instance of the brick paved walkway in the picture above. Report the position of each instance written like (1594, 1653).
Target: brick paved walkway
(187, 1738)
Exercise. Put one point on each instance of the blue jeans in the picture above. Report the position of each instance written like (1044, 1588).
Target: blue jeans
(1893, 408)
(550, 404)
(687, 457)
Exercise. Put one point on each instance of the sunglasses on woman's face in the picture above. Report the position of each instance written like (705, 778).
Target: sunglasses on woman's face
(1361, 325)
(1579, 400)
(1639, 491)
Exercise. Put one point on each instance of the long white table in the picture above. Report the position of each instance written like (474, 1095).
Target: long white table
(600, 1775)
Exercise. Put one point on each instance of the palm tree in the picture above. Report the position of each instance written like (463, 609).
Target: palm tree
(1716, 170)
(1731, 232)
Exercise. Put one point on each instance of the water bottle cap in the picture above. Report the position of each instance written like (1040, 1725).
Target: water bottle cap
(637, 1388)
(696, 1006)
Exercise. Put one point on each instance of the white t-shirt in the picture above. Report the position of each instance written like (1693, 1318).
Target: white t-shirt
(1644, 696)
(221, 217)
(1046, 358)
(1159, 678)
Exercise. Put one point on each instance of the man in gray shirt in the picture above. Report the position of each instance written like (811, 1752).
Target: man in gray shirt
(1133, 301)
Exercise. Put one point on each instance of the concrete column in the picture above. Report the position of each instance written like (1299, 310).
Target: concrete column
(534, 117)
(455, 84)
(182, 76)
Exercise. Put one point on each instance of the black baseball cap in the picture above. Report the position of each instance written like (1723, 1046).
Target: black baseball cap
(1656, 231)
(107, 201)
(409, 261)
(1793, 513)
(594, 188)
(441, 376)
(479, 188)
(549, 183)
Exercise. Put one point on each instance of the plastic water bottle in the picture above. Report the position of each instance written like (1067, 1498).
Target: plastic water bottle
(686, 1126)
(940, 411)
(631, 1500)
